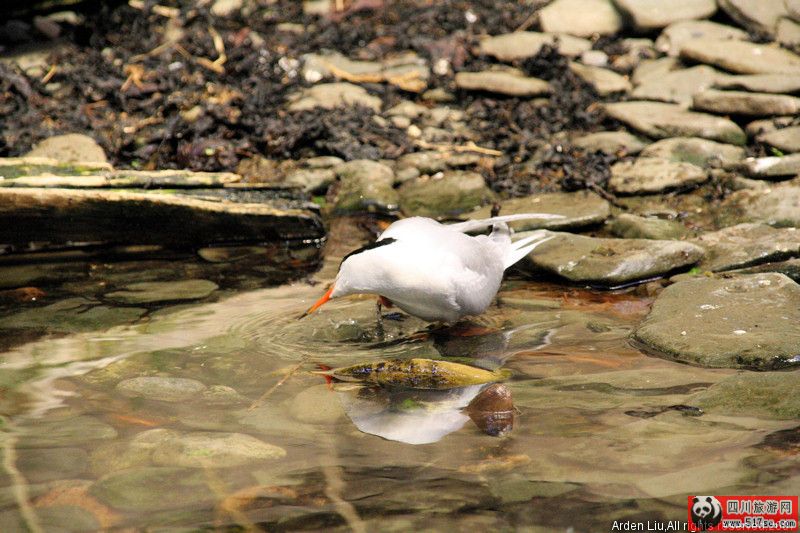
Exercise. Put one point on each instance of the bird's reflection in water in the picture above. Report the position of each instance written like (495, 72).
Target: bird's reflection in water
(418, 416)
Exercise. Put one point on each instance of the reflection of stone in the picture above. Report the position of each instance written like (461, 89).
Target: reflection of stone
(403, 415)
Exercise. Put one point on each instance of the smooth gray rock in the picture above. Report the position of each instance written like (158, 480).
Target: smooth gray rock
(674, 35)
(648, 175)
(743, 322)
(700, 152)
(610, 262)
(454, 192)
(753, 394)
(163, 291)
(746, 245)
(604, 81)
(148, 489)
(629, 226)
(677, 86)
(365, 186)
(786, 140)
(165, 389)
(654, 69)
(742, 57)
(745, 103)
(579, 209)
(206, 449)
(610, 142)
(669, 120)
(755, 15)
(787, 32)
(761, 83)
(522, 44)
(776, 206)
(510, 83)
(70, 148)
(581, 18)
(314, 405)
(654, 14)
(72, 315)
(333, 95)
(47, 464)
(765, 168)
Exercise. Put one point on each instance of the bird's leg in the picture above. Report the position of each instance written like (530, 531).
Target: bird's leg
(379, 316)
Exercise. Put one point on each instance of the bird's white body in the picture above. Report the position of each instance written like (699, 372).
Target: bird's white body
(435, 271)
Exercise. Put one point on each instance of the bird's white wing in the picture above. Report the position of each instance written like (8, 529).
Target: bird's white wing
(474, 225)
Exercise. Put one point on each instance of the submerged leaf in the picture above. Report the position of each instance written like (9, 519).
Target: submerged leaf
(418, 374)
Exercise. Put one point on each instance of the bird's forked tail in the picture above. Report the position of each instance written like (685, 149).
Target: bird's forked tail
(524, 246)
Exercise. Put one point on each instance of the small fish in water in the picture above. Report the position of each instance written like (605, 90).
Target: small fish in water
(417, 374)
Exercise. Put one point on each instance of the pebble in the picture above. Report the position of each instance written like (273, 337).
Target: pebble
(333, 95)
(162, 291)
(677, 85)
(603, 80)
(786, 140)
(694, 150)
(510, 83)
(648, 175)
(519, 45)
(655, 14)
(674, 35)
(610, 142)
(669, 120)
(581, 18)
(165, 389)
(709, 310)
(741, 57)
(746, 103)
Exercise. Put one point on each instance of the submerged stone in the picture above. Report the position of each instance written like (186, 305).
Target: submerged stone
(603, 80)
(146, 489)
(669, 120)
(206, 449)
(746, 245)
(610, 262)
(165, 389)
(763, 394)
(71, 431)
(163, 291)
(579, 209)
(677, 86)
(648, 175)
(748, 321)
(333, 95)
(72, 315)
(453, 193)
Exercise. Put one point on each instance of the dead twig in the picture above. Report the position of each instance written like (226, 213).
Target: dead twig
(219, 46)
(50, 73)
(272, 389)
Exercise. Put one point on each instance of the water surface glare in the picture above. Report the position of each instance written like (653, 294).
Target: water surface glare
(206, 414)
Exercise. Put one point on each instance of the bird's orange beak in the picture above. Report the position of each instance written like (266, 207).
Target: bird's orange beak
(318, 303)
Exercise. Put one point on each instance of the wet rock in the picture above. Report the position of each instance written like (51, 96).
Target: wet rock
(758, 16)
(453, 193)
(630, 226)
(365, 186)
(648, 175)
(46, 464)
(610, 262)
(761, 83)
(763, 395)
(742, 322)
(778, 206)
(201, 449)
(786, 140)
(746, 245)
(333, 95)
(787, 32)
(670, 120)
(654, 14)
(70, 148)
(746, 103)
(153, 488)
(508, 82)
(766, 168)
(14, 276)
(678, 85)
(163, 291)
(223, 395)
(790, 268)
(52, 518)
(674, 35)
(522, 490)
(581, 18)
(72, 315)
(316, 405)
(52, 433)
(700, 152)
(742, 57)
(579, 209)
(311, 179)
(610, 142)
(165, 389)
(522, 44)
(406, 70)
(604, 81)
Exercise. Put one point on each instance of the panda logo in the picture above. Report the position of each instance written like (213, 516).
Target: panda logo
(706, 512)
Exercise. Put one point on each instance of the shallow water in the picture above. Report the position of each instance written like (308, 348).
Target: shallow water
(601, 432)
